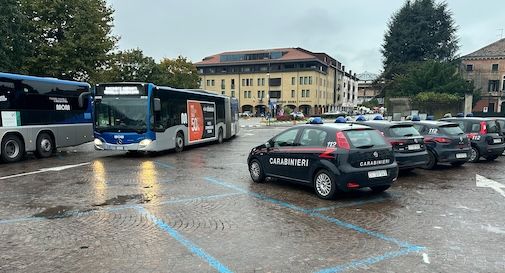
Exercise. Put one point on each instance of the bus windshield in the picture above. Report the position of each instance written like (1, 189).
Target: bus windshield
(121, 113)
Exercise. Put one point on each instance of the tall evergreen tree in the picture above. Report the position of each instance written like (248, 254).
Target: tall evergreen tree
(71, 38)
(421, 30)
(14, 44)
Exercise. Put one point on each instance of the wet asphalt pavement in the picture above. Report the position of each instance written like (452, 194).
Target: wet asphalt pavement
(198, 211)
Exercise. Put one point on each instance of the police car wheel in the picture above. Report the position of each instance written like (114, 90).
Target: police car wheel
(324, 184)
(379, 189)
(474, 155)
(256, 171)
(179, 142)
(432, 161)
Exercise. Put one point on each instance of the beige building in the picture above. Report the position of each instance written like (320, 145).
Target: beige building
(313, 83)
(367, 91)
(486, 69)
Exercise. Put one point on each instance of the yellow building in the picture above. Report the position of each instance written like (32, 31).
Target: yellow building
(276, 78)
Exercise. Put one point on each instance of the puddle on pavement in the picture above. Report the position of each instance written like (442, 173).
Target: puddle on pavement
(55, 212)
(123, 199)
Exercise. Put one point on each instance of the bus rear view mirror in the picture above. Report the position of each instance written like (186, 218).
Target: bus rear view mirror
(81, 98)
(157, 105)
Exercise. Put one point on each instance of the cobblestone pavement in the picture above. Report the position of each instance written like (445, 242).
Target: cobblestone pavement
(198, 211)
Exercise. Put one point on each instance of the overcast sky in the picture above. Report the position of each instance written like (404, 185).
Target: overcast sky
(350, 31)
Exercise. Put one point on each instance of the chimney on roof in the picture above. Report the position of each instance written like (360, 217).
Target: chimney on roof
(350, 72)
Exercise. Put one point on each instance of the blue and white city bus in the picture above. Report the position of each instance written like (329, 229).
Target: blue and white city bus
(41, 114)
(146, 117)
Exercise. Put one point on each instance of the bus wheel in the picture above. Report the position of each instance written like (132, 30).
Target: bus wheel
(179, 142)
(45, 145)
(13, 148)
(220, 136)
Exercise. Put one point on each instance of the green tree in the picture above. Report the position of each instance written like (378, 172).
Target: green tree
(14, 46)
(71, 38)
(421, 30)
(178, 73)
(429, 76)
(130, 65)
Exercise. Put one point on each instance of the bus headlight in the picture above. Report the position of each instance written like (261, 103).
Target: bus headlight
(144, 143)
(98, 144)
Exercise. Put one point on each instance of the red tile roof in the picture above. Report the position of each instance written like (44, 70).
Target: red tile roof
(494, 50)
(290, 54)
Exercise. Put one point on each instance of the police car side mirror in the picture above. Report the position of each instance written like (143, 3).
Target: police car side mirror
(268, 145)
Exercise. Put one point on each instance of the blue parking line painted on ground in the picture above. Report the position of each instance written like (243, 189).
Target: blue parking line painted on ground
(163, 164)
(312, 213)
(370, 260)
(405, 247)
(185, 242)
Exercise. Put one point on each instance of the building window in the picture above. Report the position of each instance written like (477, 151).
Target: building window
(307, 93)
(223, 84)
(208, 82)
(292, 93)
(310, 80)
(494, 68)
(301, 80)
(503, 88)
(469, 67)
(293, 80)
(245, 94)
(259, 81)
(263, 94)
(243, 82)
(259, 94)
(262, 81)
(305, 80)
(223, 92)
(213, 82)
(250, 94)
(232, 83)
(233, 93)
(493, 86)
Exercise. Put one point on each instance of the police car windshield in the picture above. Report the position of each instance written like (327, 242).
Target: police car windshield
(403, 131)
(365, 138)
(452, 130)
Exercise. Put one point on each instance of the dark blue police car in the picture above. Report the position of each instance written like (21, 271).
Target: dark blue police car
(329, 157)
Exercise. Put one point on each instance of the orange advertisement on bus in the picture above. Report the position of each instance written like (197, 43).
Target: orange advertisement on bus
(201, 120)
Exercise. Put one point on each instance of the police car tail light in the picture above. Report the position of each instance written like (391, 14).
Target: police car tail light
(437, 140)
(483, 128)
(342, 142)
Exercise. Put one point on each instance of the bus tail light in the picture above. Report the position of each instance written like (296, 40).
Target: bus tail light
(342, 141)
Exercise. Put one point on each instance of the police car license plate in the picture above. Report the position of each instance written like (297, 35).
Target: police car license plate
(496, 140)
(461, 155)
(414, 147)
(379, 173)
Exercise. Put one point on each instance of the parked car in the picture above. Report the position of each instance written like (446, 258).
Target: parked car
(298, 115)
(445, 142)
(408, 144)
(246, 114)
(329, 157)
(485, 136)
